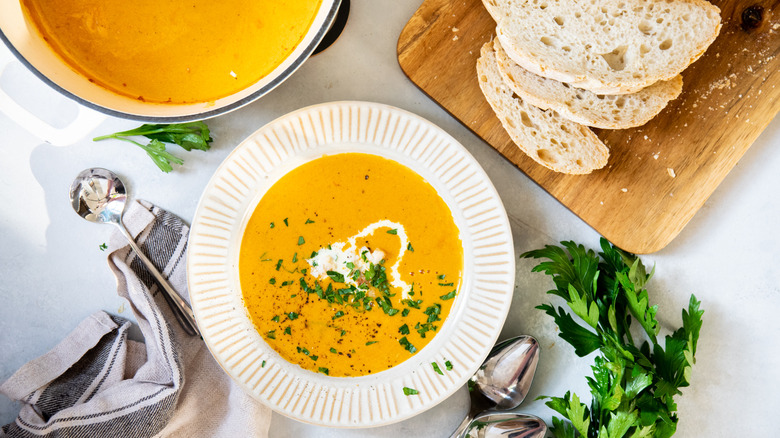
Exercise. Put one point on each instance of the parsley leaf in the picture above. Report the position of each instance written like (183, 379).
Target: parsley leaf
(633, 383)
(407, 345)
(449, 296)
(410, 391)
(189, 136)
(336, 276)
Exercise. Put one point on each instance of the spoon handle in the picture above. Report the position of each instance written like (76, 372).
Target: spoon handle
(463, 426)
(181, 309)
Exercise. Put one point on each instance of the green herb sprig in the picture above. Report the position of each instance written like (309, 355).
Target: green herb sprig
(189, 136)
(633, 386)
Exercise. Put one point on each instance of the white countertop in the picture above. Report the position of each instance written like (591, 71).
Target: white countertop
(54, 274)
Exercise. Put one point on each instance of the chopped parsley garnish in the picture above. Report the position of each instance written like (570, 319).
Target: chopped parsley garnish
(272, 225)
(275, 318)
(293, 295)
(302, 350)
(448, 365)
(405, 312)
(323, 370)
(336, 276)
(436, 368)
(333, 350)
(279, 264)
(271, 334)
(422, 329)
(371, 342)
(314, 358)
(404, 329)
(285, 222)
(308, 221)
(262, 364)
(288, 330)
(409, 247)
(292, 316)
(393, 231)
(410, 391)
(433, 312)
(386, 305)
(337, 315)
(295, 257)
(449, 296)
(103, 246)
(272, 280)
(301, 241)
(446, 284)
(441, 277)
(343, 332)
(414, 304)
(408, 345)
(350, 265)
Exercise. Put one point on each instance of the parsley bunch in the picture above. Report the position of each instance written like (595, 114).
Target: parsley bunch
(189, 136)
(633, 386)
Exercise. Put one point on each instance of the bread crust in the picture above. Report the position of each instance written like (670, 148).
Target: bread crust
(545, 136)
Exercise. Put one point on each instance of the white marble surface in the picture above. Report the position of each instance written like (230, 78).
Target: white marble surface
(53, 273)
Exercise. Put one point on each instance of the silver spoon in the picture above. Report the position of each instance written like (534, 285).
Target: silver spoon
(503, 380)
(98, 195)
(507, 425)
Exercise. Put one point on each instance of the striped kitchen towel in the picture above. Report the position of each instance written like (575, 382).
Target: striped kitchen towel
(99, 383)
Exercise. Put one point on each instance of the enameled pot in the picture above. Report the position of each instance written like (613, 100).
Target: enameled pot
(29, 47)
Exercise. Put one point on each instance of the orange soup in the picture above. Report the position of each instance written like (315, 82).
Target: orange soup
(350, 264)
(182, 51)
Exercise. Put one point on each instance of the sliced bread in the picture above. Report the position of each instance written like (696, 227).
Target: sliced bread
(583, 106)
(548, 138)
(605, 46)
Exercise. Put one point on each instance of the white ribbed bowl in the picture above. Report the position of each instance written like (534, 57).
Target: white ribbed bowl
(465, 337)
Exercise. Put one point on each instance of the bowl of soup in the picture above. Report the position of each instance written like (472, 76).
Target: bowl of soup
(164, 61)
(350, 265)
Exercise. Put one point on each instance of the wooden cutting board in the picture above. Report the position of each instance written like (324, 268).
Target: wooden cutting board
(659, 174)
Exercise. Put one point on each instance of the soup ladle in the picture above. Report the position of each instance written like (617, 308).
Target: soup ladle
(98, 195)
(503, 380)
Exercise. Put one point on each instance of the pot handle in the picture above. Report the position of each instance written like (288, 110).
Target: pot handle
(85, 122)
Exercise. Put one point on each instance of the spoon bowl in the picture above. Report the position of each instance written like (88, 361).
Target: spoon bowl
(507, 373)
(98, 195)
(503, 380)
(507, 425)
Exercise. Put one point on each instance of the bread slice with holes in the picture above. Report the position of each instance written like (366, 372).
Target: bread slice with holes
(548, 138)
(605, 46)
(583, 106)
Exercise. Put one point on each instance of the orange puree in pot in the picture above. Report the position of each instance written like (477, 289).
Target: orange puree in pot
(181, 51)
(320, 271)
